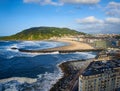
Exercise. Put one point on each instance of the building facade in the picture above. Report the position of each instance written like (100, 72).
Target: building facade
(101, 76)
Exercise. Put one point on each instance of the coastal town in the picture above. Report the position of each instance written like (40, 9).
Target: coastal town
(99, 74)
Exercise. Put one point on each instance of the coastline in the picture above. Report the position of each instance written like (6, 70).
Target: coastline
(71, 47)
(69, 69)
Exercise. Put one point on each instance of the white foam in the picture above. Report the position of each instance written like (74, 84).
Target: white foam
(37, 43)
(9, 49)
(19, 79)
(3, 41)
(14, 45)
(86, 54)
(29, 43)
(11, 87)
(49, 80)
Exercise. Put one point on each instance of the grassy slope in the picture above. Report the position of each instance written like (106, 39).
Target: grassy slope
(40, 33)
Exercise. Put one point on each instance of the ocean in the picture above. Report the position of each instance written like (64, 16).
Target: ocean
(33, 71)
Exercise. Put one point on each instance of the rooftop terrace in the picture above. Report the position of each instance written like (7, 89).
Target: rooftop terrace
(98, 67)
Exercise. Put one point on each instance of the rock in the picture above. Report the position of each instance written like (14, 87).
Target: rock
(14, 48)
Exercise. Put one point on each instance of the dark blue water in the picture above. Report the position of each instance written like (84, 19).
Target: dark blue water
(42, 67)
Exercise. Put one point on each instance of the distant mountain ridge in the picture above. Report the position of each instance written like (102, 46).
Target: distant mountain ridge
(40, 33)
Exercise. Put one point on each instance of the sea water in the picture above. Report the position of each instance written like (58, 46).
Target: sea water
(32, 71)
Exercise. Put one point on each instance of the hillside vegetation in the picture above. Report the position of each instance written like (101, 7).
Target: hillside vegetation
(40, 33)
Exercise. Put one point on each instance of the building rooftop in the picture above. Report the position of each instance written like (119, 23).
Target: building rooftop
(98, 67)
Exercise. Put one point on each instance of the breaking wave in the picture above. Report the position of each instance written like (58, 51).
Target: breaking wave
(6, 50)
(43, 83)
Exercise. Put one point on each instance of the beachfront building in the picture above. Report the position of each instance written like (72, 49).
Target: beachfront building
(101, 76)
(118, 43)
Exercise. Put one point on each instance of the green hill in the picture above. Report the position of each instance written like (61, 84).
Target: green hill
(40, 33)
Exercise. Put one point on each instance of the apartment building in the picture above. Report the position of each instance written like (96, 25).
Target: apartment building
(101, 76)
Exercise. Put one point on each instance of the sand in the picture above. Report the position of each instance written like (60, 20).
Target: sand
(73, 45)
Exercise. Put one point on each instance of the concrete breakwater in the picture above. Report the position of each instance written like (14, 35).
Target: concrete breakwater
(71, 70)
(51, 50)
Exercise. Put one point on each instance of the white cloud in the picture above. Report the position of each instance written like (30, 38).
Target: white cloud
(113, 9)
(113, 20)
(89, 20)
(80, 1)
(94, 25)
(29, 1)
(113, 5)
(61, 2)
(43, 2)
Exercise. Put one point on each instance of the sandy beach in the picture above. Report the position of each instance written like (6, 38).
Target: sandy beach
(73, 45)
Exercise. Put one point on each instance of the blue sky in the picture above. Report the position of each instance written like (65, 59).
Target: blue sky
(90, 16)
